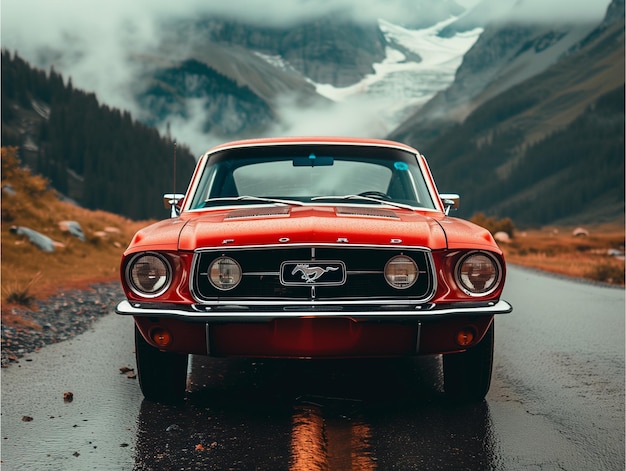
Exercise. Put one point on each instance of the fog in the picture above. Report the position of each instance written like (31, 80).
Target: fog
(97, 43)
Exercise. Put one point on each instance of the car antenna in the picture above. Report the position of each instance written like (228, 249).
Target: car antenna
(171, 199)
(174, 166)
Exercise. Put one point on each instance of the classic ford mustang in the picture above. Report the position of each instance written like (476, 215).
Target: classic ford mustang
(313, 248)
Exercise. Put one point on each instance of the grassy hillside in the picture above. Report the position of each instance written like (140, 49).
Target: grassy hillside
(29, 273)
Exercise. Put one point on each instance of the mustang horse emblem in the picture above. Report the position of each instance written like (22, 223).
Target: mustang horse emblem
(310, 274)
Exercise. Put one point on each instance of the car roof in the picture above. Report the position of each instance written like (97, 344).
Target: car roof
(271, 141)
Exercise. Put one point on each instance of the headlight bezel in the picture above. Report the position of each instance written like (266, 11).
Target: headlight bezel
(472, 291)
(133, 284)
(393, 260)
(214, 283)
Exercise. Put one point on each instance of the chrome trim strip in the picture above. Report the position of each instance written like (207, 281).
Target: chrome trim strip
(280, 303)
(135, 309)
(307, 204)
(251, 143)
(314, 245)
(418, 337)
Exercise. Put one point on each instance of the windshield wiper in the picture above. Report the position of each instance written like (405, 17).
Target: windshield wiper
(253, 199)
(364, 198)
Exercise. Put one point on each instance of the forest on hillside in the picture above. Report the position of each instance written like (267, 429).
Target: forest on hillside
(96, 155)
(580, 167)
(573, 174)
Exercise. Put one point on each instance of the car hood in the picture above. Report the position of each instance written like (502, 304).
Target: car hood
(312, 225)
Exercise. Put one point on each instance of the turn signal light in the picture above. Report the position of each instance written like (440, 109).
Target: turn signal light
(161, 337)
(465, 336)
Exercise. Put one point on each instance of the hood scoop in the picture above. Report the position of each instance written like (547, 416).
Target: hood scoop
(367, 212)
(258, 213)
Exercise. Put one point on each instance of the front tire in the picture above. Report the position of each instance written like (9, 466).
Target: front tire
(467, 375)
(162, 375)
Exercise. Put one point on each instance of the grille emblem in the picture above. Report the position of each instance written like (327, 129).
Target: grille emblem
(310, 274)
(313, 273)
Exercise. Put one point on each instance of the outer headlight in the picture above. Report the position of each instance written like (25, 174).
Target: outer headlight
(401, 272)
(149, 275)
(224, 273)
(478, 274)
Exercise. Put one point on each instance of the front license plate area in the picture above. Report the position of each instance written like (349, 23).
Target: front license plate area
(314, 336)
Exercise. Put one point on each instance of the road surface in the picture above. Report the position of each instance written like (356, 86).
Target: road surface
(556, 402)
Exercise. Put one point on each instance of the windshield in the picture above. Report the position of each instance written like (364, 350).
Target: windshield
(300, 174)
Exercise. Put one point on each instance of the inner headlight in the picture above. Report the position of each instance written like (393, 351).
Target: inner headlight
(224, 273)
(149, 275)
(401, 272)
(478, 274)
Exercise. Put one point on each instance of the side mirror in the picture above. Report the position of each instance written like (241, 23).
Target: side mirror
(172, 200)
(450, 201)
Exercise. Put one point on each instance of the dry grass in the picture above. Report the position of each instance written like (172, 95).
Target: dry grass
(28, 273)
(557, 250)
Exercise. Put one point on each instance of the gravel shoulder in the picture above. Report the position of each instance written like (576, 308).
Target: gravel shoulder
(58, 318)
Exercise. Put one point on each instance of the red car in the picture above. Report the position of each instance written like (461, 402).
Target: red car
(313, 248)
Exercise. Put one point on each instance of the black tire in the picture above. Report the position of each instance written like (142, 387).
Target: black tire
(467, 375)
(162, 375)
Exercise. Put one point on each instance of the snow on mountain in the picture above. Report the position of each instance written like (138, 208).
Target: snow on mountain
(418, 64)
(521, 41)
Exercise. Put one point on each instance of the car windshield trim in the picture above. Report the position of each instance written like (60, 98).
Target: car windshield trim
(364, 198)
(245, 176)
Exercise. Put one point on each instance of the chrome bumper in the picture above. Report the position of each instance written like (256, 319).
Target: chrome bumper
(206, 313)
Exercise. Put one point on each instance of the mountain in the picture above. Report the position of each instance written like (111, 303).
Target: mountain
(232, 78)
(99, 157)
(227, 78)
(226, 107)
(503, 56)
(540, 147)
(325, 50)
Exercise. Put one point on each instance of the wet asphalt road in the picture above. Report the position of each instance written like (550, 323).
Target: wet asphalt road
(556, 402)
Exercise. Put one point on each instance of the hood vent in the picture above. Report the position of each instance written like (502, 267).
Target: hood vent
(366, 212)
(258, 213)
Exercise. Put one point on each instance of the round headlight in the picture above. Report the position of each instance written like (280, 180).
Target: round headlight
(401, 272)
(478, 274)
(149, 275)
(224, 273)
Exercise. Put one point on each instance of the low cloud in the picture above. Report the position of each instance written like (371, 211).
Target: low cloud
(363, 117)
(97, 43)
(357, 118)
(547, 11)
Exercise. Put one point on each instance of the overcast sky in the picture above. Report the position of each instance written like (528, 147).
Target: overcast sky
(76, 25)
(93, 42)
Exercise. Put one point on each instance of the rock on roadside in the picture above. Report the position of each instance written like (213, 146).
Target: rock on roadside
(60, 317)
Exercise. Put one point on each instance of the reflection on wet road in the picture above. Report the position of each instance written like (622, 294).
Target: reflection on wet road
(293, 415)
(329, 443)
(556, 402)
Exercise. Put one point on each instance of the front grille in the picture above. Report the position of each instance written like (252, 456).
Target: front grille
(364, 277)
